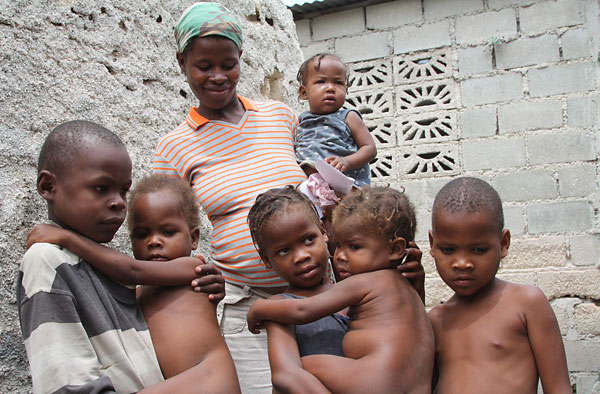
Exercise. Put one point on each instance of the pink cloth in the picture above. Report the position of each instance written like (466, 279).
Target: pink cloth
(320, 190)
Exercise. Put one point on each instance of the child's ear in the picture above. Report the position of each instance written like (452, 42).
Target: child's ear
(46, 185)
(504, 242)
(302, 92)
(195, 236)
(324, 232)
(265, 260)
(431, 243)
(397, 248)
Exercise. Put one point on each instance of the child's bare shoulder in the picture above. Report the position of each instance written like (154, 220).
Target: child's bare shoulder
(527, 296)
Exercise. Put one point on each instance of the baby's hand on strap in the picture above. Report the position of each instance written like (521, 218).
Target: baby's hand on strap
(254, 322)
(209, 281)
(412, 269)
(46, 233)
(337, 162)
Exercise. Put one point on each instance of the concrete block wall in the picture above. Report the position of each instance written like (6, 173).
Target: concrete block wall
(505, 90)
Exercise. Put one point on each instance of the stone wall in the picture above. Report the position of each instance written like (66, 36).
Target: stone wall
(110, 61)
(505, 90)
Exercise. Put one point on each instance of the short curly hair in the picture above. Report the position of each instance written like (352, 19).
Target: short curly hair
(275, 201)
(468, 194)
(180, 188)
(303, 70)
(380, 211)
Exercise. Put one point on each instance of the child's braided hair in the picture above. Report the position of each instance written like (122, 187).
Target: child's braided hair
(380, 211)
(276, 201)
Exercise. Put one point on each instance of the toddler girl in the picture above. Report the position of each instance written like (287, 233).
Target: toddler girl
(389, 345)
(338, 136)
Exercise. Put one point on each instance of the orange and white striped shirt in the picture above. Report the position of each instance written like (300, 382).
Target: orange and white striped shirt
(228, 166)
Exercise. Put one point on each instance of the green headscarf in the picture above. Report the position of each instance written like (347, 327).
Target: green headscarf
(207, 19)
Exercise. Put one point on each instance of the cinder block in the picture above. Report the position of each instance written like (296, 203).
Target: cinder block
(559, 217)
(563, 310)
(514, 219)
(575, 283)
(550, 15)
(364, 47)
(475, 60)
(415, 191)
(576, 44)
(423, 226)
(527, 52)
(393, 13)
(437, 9)
(316, 47)
(588, 384)
(303, 31)
(587, 318)
(520, 278)
(583, 356)
(577, 181)
(526, 185)
(494, 153)
(582, 111)
(561, 147)
(562, 78)
(495, 4)
(521, 116)
(416, 38)
(537, 253)
(494, 89)
(486, 27)
(479, 122)
(584, 250)
(338, 24)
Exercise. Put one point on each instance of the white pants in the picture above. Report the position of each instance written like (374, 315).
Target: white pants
(249, 351)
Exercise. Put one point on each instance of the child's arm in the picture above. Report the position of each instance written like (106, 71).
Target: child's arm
(546, 342)
(123, 268)
(366, 146)
(287, 374)
(305, 310)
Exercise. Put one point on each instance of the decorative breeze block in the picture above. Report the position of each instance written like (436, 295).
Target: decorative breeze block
(428, 127)
(429, 160)
(426, 96)
(371, 104)
(374, 75)
(422, 66)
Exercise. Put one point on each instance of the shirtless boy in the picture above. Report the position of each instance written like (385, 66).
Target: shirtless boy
(491, 335)
(389, 344)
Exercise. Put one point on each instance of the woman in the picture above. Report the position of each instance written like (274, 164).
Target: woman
(230, 149)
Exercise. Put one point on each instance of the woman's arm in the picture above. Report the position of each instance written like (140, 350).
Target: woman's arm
(287, 374)
(117, 265)
(366, 146)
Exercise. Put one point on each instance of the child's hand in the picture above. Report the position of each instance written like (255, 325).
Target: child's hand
(337, 162)
(45, 233)
(254, 323)
(412, 269)
(209, 281)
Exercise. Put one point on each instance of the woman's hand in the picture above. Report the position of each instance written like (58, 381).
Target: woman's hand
(412, 269)
(255, 323)
(46, 233)
(209, 281)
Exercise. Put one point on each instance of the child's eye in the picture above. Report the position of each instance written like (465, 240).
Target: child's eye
(169, 232)
(282, 252)
(447, 250)
(100, 188)
(479, 250)
(309, 240)
(354, 247)
(138, 234)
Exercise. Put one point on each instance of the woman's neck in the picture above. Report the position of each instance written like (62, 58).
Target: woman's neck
(231, 113)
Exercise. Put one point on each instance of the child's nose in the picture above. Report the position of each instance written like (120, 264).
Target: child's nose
(117, 202)
(462, 263)
(154, 241)
(300, 255)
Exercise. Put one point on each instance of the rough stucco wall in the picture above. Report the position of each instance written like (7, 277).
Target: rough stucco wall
(112, 62)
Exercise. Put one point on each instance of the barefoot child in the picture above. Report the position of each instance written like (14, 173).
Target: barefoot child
(83, 331)
(491, 334)
(389, 344)
(298, 255)
(338, 136)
